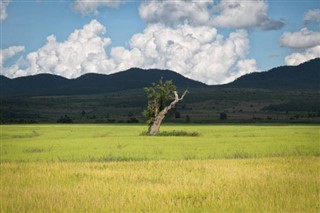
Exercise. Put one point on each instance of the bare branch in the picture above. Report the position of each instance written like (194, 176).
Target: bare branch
(185, 92)
(176, 95)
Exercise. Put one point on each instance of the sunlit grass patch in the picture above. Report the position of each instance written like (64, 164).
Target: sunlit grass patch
(105, 143)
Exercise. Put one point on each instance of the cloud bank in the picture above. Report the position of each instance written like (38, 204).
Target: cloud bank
(82, 52)
(179, 35)
(245, 14)
(196, 52)
(226, 14)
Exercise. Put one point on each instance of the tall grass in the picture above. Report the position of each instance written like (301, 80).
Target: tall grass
(250, 185)
(111, 168)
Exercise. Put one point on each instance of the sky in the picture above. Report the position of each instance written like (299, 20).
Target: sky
(212, 41)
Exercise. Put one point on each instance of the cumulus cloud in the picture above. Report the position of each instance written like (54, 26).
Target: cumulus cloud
(196, 52)
(91, 7)
(3, 9)
(82, 52)
(312, 16)
(245, 14)
(306, 43)
(9, 52)
(226, 14)
(301, 39)
(176, 12)
(303, 56)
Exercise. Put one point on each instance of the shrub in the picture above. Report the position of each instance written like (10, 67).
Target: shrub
(64, 119)
(173, 133)
(223, 116)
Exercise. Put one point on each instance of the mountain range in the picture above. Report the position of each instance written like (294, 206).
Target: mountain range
(302, 77)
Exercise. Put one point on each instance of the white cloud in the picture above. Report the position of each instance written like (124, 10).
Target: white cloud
(312, 16)
(197, 52)
(3, 9)
(245, 14)
(82, 52)
(244, 67)
(305, 42)
(301, 39)
(226, 14)
(176, 12)
(303, 56)
(9, 52)
(91, 7)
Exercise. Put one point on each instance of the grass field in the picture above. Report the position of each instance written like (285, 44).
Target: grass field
(111, 168)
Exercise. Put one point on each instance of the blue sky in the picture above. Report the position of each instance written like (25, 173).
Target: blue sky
(210, 41)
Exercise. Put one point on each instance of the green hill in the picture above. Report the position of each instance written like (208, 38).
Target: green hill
(303, 76)
(48, 85)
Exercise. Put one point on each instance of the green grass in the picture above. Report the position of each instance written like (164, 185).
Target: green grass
(30, 143)
(111, 168)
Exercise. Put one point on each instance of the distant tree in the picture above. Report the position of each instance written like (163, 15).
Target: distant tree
(188, 119)
(177, 115)
(130, 114)
(159, 94)
(64, 119)
(223, 116)
(83, 113)
(133, 120)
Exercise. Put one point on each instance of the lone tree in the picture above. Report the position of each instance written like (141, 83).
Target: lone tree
(159, 95)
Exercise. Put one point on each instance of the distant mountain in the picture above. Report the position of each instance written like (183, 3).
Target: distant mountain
(47, 84)
(303, 76)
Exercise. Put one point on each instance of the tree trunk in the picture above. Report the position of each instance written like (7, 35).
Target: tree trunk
(154, 129)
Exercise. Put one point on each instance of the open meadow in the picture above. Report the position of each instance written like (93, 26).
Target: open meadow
(112, 168)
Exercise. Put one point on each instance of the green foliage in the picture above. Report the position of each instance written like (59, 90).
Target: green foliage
(64, 119)
(158, 96)
(223, 116)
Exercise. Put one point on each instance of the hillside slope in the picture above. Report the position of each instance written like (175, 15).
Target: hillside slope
(303, 76)
(47, 84)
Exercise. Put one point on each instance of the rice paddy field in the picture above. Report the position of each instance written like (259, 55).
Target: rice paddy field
(113, 168)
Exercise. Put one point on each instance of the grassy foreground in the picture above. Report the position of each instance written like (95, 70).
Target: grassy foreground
(104, 143)
(97, 168)
(250, 185)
